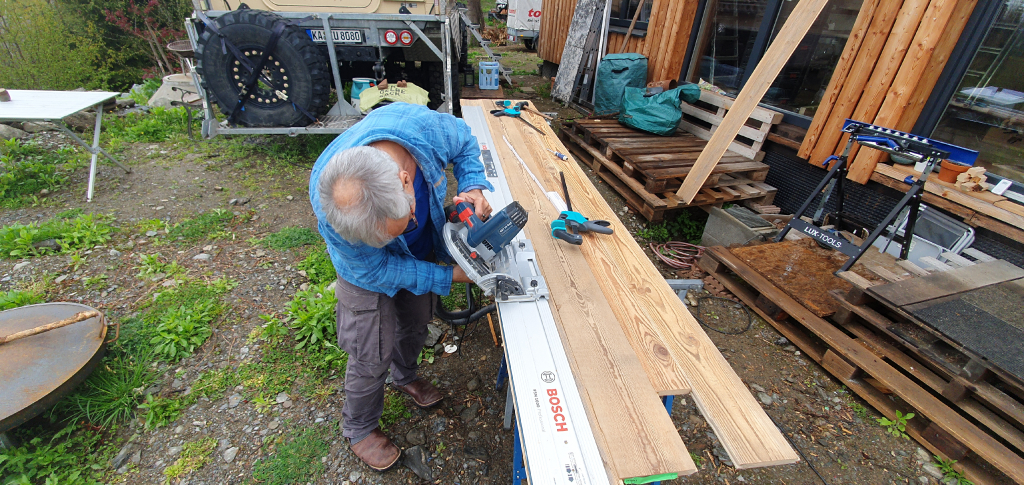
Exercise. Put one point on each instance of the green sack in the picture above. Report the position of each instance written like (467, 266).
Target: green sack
(615, 73)
(658, 114)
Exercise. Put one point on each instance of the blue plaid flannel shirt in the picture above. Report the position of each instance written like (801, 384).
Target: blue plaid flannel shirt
(434, 140)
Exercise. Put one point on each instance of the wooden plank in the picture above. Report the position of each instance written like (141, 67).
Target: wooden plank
(831, 134)
(733, 146)
(756, 134)
(956, 280)
(612, 167)
(651, 312)
(978, 255)
(639, 435)
(957, 259)
(897, 97)
(935, 264)
(913, 268)
(949, 420)
(839, 75)
(761, 79)
(884, 273)
(855, 279)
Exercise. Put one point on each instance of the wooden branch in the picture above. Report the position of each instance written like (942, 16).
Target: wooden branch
(761, 79)
(629, 31)
(78, 317)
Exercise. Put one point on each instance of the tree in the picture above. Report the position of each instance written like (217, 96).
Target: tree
(40, 50)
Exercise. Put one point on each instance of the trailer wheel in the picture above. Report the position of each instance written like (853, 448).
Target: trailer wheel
(297, 71)
(530, 43)
(433, 79)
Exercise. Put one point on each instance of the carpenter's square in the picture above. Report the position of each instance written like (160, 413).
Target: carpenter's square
(570, 223)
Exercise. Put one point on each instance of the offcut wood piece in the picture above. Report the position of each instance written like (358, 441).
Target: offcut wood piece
(886, 376)
(761, 79)
(835, 84)
(911, 71)
(955, 280)
(635, 433)
(827, 127)
(651, 314)
(629, 32)
(573, 53)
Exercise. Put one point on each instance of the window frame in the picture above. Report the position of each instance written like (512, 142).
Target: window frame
(624, 19)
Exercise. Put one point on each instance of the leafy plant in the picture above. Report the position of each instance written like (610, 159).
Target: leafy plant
(144, 91)
(950, 474)
(95, 282)
(194, 455)
(72, 456)
(898, 426)
(152, 264)
(201, 227)
(427, 354)
(311, 315)
(17, 298)
(26, 169)
(70, 236)
(160, 411)
(697, 459)
(439, 449)
(860, 410)
(297, 459)
(180, 330)
(317, 265)
(290, 237)
(111, 393)
(687, 226)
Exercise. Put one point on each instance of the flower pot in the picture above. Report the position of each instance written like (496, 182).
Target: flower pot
(950, 170)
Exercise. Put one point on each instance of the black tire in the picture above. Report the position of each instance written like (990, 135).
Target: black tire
(433, 79)
(530, 43)
(297, 67)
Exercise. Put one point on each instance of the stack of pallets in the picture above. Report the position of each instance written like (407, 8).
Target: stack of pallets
(968, 399)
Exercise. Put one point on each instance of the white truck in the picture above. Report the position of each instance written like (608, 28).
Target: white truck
(524, 22)
(270, 65)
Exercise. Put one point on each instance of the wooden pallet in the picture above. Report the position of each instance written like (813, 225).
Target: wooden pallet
(873, 364)
(647, 169)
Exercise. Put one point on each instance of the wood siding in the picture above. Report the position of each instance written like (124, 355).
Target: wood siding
(664, 45)
(887, 72)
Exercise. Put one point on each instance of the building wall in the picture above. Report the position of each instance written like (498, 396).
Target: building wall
(664, 44)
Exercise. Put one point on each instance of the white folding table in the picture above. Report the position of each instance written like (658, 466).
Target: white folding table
(54, 106)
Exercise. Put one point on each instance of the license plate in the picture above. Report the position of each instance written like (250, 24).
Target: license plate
(340, 36)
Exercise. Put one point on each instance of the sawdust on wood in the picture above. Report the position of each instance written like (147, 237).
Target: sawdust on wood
(803, 270)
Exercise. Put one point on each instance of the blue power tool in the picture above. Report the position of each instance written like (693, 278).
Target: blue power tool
(476, 245)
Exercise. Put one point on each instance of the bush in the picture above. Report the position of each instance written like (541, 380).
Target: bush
(688, 226)
(208, 225)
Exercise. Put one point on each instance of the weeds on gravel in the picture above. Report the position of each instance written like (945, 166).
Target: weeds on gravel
(290, 237)
(317, 265)
(896, 427)
(160, 124)
(950, 474)
(687, 226)
(153, 264)
(17, 298)
(67, 235)
(160, 411)
(394, 410)
(299, 150)
(297, 459)
(110, 394)
(208, 225)
(311, 315)
(72, 457)
(194, 455)
(26, 169)
(859, 410)
(180, 330)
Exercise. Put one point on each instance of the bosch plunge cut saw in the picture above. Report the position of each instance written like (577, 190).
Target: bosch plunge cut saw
(488, 254)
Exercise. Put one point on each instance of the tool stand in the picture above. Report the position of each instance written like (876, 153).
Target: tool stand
(919, 149)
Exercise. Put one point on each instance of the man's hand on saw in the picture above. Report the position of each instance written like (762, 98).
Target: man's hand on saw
(480, 204)
(459, 275)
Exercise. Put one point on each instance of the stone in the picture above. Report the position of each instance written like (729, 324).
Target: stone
(180, 429)
(38, 126)
(21, 265)
(234, 400)
(218, 188)
(230, 453)
(282, 397)
(273, 425)
(416, 437)
(923, 480)
(136, 457)
(287, 404)
(470, 413)
(434, 333)
(354, 476)
(124, 103)
(933, 471)
(765, 398)
(781, 341)
(61, 278)
(304, 287)
(151, 233)
(290, 197)
(173, 451)
(176, 384)
(8, 132)
(922, 455)
(114, 253)
(756, 387)
(202, 257)
(224, 444)
(122, 456)
(474, 435)
(415, 459)
(438, 425)
(473, 384)
(81, 121)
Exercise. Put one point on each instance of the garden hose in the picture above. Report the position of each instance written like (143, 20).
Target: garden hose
(677, 254)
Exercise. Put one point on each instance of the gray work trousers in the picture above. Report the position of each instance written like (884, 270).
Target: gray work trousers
(378, 332)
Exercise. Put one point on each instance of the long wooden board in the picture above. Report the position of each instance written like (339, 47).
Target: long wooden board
(635, 434)
(649, 311)
(760, 80)
(946, 283)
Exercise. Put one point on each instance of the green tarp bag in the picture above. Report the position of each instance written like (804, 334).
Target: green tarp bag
(658, 114)
(615, 73)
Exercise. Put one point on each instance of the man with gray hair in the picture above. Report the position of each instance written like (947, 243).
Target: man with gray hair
(378, 192)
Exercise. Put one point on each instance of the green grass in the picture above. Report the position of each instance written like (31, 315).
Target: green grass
(205, 226)
(394, 409)
(317, 265)
(110, 394)
(290, 237)
(71, 235)
(26, 169)
(72, 456)
(17, 298)
(160, 124)
(297, 459)
(194, 455)
(298, 150)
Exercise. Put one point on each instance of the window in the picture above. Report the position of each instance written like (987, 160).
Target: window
(986, 111)
(623, 11)
(735, 34)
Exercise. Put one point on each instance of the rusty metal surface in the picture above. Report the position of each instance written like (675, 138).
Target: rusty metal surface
(35, 372)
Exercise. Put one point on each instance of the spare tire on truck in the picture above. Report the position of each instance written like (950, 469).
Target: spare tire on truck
(295, 75)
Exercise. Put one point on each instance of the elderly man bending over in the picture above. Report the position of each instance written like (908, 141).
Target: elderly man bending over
(378, 192)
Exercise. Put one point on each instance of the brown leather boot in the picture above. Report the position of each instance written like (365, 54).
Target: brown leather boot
(377, 451)
(423, 393)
